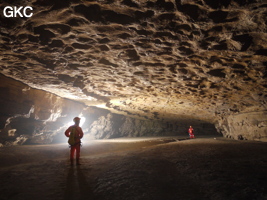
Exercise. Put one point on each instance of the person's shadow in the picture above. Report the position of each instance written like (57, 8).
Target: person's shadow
(70, 185)
(77, 186)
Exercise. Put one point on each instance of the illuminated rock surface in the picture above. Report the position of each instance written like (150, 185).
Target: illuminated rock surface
(142, 67)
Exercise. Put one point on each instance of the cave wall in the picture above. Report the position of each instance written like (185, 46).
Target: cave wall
(28, 114)
(103, 124)
(32, 116)
(113, 125)
(244, 126)
(174, 63)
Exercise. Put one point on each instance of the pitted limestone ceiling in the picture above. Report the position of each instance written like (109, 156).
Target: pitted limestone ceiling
(158, 59)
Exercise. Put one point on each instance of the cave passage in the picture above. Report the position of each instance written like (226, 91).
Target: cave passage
(34, 116)
(139, 73)
(133, 68)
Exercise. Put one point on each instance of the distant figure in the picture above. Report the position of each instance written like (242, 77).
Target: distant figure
(74, 133)
(191, 132)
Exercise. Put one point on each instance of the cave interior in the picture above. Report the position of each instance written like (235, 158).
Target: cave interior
(133, 69)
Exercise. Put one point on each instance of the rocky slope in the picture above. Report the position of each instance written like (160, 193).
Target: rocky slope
(165, 62)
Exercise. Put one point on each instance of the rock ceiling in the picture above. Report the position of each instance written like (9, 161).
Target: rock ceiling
(150, 59)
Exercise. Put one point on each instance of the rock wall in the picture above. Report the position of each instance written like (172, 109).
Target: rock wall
(102, 124)
(28, 114)
(167, 64)
(244, 126)
(114, 126)
(31, 116)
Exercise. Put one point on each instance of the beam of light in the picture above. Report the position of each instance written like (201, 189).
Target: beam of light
(101, 106)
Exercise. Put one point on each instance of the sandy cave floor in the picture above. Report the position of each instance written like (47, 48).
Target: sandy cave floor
(154, 168)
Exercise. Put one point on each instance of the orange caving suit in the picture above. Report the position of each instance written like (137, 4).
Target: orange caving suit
(191, 132)
(76, 147)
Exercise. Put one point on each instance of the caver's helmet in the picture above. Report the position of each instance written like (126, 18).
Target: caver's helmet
(76, 119)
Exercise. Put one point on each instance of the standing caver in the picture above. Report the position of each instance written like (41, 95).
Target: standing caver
(75, 133)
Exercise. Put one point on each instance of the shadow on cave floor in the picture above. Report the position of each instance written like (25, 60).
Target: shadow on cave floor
(130, 168)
